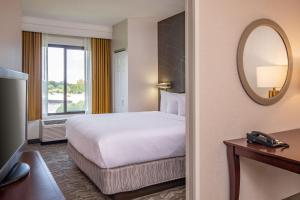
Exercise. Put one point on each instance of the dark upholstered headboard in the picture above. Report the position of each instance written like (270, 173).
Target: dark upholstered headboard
(171, 52)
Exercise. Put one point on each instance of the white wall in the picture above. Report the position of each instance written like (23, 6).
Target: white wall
(33, 130)
(142, 64)
(120, 36)
(11, 41)
(227, 112)
(139, 37)
(10, 34)
(68, 28)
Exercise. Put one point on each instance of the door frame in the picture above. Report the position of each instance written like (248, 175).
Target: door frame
(192, 42)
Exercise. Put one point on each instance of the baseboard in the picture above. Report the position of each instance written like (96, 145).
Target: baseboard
(38, 141)
(34, 141)
(54, 142)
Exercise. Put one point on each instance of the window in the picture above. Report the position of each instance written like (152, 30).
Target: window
(66, 79)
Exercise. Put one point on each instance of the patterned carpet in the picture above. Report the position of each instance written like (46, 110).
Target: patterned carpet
(76, 186)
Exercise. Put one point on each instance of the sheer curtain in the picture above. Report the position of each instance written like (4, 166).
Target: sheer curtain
(44, 75)
(88, 76)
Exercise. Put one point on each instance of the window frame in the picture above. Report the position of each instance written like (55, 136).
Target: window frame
(65, 47)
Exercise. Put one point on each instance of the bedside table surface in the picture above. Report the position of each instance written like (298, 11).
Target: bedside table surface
(291, 137)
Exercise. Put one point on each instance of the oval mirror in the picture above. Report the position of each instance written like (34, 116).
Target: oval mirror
(264, 61)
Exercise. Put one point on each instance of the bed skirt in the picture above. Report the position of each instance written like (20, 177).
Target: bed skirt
(131, 177)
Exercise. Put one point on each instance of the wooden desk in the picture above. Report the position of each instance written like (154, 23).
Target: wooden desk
(288, 159)
(39, 184)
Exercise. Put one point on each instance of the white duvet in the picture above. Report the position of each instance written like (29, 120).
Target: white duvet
(119, 139)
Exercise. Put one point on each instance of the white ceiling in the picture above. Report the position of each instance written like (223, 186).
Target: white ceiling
(101, 12)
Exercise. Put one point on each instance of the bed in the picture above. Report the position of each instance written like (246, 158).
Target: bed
(123, 152)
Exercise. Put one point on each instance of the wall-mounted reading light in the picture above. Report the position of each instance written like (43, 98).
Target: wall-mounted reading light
(164, 85)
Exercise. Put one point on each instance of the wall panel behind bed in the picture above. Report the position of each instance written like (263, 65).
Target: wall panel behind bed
(171, 52)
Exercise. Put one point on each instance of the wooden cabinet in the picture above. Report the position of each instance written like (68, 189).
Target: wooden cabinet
(39, 184)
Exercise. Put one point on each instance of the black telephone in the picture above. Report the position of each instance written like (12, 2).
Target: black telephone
(265, 139)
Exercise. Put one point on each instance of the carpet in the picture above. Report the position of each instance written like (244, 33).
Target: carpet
(75, 185)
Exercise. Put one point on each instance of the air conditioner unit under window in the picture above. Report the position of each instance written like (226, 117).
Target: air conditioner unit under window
(53, 130)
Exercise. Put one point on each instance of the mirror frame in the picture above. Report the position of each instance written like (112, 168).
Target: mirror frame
(240, 63)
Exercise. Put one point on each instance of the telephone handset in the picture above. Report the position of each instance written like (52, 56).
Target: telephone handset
(265, 139)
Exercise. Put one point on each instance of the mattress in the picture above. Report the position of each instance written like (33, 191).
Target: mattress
(120, 139)
(131, 177)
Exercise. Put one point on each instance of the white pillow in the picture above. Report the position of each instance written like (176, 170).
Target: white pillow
(172, 106)
(173, 103)
(163, 101)
(181, 104)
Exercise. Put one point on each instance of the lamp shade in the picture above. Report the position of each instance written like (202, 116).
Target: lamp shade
(271, 76)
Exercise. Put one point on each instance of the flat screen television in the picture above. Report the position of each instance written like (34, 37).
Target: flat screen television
(13, 125)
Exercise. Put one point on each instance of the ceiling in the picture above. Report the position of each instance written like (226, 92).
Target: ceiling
(101, 12)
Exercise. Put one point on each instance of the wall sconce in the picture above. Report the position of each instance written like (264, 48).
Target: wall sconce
(271, 77)
(164, 85)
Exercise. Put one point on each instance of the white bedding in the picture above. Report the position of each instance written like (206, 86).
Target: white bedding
(119, 139)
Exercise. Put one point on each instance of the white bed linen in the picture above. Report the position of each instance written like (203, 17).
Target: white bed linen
(119, 139)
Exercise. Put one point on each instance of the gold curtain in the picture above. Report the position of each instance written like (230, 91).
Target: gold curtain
(101, 73)
(31, 64)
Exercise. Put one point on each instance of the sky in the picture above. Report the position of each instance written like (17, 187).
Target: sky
(75, 65)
